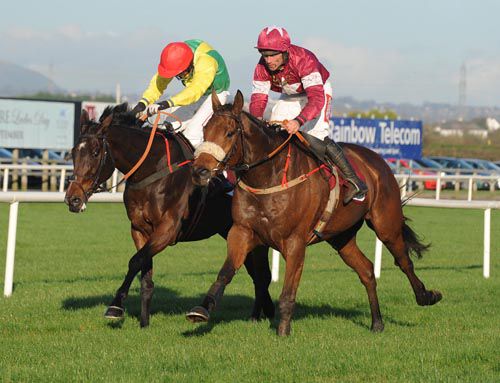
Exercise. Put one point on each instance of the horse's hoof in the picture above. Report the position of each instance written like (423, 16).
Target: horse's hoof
(437, 296)
(430, 298)
(284, 329)
(198, 314)
(377, 327)
(114, 312)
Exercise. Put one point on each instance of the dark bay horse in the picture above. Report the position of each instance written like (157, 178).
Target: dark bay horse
(285, 219)
(163, 205)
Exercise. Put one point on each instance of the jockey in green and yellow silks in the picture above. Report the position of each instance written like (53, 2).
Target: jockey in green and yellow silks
(200, 68)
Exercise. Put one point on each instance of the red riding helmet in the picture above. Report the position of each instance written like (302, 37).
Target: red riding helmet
(273, 39)
(174, 59)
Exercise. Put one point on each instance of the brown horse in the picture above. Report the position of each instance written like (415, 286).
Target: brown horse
(286, 219)
(162, 203)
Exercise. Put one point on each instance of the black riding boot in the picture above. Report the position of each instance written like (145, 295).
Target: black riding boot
(336, 155)
(328, 151)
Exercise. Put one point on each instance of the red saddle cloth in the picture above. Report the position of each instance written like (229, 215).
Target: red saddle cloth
(332, 181)
(327, 173)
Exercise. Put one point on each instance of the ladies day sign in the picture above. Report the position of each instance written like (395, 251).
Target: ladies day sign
(36, 124)
(389, 138)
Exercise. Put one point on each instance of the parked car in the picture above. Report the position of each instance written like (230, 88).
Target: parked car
(426, 162)
(394, 170)
(415, 168)
(464, 167)
(490, 167)
(5, 155)
(38, 154)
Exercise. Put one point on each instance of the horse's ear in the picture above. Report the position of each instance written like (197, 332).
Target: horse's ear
(84, 121)
(238, 103)
(105, 124)
(215, 101)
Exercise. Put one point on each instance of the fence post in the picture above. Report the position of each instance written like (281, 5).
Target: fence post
(487, 231)
(438, 187)
(15, 172)
(275, 269)
(378, 257)
(5, 179)
(114, 181)
(469, 194)
(62, 180)
(24, 174)
(11, 250)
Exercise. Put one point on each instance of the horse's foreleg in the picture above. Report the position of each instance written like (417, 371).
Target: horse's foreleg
(257, 265)
(239, 243)
(294, 253)
(147, 287)
(354, 258)
(163, 235)
(116, 310)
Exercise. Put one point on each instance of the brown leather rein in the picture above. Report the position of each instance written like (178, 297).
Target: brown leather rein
(96, 186)
(239, 127)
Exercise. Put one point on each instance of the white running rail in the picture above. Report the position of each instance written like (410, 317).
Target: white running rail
(15, 197)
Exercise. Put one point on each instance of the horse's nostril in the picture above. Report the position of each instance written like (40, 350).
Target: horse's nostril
(75, 201)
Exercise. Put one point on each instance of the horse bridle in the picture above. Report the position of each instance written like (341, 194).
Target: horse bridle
(96, 185)
(243, 167)
(232, 149)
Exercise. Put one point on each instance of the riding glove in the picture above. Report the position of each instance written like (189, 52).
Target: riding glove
(154, 108)
(138, 109)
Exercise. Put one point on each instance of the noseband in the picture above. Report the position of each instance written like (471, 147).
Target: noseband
(211, 147)
(96, 185)
(216, 151)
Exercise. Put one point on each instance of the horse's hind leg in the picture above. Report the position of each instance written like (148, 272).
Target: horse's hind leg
(346, 245)
(257, 265)
(399, 238)
(116, 310)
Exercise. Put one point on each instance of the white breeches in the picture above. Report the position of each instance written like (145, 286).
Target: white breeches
(289, 106)
(192, 126)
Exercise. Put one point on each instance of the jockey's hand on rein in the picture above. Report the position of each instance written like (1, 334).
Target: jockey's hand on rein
(154, 108)
(292, 126)
(138, 109)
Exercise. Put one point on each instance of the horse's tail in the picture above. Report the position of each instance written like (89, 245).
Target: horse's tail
(413, 243)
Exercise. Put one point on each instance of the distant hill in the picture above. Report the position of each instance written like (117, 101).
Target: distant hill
(16, 80)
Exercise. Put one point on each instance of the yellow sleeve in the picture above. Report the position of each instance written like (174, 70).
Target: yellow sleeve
(204, 74)
(156, 87)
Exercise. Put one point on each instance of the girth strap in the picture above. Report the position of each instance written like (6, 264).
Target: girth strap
(333, 201)
(156, 176)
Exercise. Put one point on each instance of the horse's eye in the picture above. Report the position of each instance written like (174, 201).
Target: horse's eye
(96, 153)
(230, 134)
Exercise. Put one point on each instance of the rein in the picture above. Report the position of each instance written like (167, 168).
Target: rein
(157, 175)
(242, 167)
(96, 188)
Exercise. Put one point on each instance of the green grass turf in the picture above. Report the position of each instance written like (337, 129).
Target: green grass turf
(68, 267)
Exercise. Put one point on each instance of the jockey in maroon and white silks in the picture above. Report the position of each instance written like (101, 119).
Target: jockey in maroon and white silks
(305, 101)
(302, 81)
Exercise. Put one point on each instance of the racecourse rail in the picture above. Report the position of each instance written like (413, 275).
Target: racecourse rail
(9, 171)
(14, 198)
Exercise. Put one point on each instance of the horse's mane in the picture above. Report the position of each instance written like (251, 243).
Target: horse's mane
(272, 133)
(121, 115)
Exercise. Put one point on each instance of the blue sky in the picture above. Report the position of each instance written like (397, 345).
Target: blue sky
(383, 50)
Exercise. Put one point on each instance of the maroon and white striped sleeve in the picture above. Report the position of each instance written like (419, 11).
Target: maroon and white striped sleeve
(261, 86)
